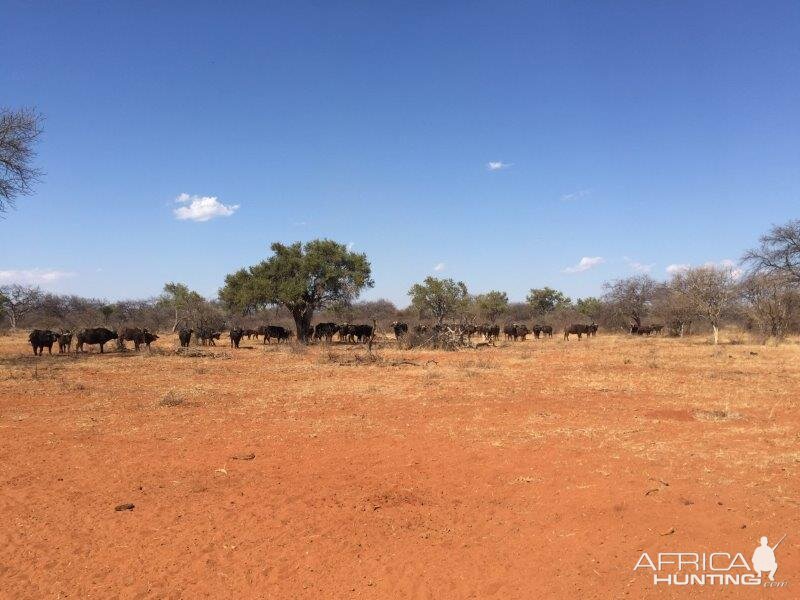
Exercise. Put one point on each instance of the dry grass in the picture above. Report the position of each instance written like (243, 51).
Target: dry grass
(486, 450)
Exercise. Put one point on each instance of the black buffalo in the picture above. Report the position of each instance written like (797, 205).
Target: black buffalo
(185, 336)
(250, 333)
(41, 339)
(642, 329)
(325, 331)
(542, 330)
(64, 341)
(362, 333)
(94, 335)
(516, 331)
(236, 337)
(135, 335)
(347, 332)
(578, 329)
(207, 336)
(277, 332)
(400, 329)
(468, 329)
(490, 331)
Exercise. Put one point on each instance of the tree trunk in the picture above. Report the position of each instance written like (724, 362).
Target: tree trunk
(302, 321)
(716, 333)
(175, 326)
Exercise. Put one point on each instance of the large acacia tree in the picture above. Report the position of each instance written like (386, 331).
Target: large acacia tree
(439, 298)
(546, 300)
(492, 304)
(19, 130)
(778, 252)
(709, 291)
(631, 297)
(301, 277)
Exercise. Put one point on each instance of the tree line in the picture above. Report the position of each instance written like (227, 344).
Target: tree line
(322, 280)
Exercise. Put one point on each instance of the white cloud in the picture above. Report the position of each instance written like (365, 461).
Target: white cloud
(350, 245)
(497, 165)
(575, 195)
(34, 276)
(439, 267)
(727, 263)
(586, 263)
(202, 208)
(678, 268)
(638, 266)
(736, 272)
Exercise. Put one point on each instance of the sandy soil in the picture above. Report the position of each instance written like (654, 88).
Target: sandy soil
(541, 469)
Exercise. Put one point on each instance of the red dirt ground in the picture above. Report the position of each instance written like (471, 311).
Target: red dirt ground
(541, 469)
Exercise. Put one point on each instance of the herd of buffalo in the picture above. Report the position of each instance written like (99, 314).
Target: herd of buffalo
(346, 332)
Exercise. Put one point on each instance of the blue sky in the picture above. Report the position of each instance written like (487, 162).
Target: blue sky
(630, 136)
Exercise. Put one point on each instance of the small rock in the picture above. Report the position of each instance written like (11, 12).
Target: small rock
(126, 506)
(250, 456)
(669, 531)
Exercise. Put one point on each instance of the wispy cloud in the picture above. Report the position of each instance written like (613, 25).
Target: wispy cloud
(638, 266)
(586, 263)
(34, 276)
(678, 268)
(726, 263)
(202, 208)
(350, 245)
(497, 165)
(439, 267)
(571, 197)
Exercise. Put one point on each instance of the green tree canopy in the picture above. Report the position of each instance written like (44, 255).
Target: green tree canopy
(186, 304)
(589, 306)
(440, 298)
(545, 300)
(301, 277)
(492, 304)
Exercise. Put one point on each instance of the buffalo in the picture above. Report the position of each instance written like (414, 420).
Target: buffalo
(64, 341)
(236, 337)
(400, 329)
(643, 329)
(135, 335)
(515, 331)
(490, 331)
(41, 339)
(542, 330)
(250, 333)
(469, 330)
(362, 333)
(207, 336)
(325, 331)
(94, 335)
(185, 336)
(277, 332)
(578, 329)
